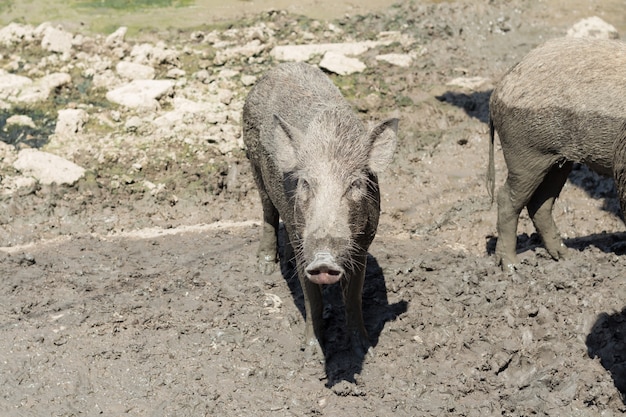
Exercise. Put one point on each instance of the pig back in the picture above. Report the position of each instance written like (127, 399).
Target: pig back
(294, 91)
(298, 93)
(569, 91)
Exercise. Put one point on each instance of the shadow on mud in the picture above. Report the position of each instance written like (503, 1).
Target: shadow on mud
(607, 342)
(341, 363)
(606, 242)
(475, 104)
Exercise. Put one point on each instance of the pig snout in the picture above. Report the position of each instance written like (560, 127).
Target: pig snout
(324, 269)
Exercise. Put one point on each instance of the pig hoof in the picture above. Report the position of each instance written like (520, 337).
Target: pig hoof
(312, 350)
(267, 264)
(557, 252)
(362, 348)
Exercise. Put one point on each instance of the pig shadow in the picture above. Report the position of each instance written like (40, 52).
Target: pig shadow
(341, 364)
(614, 242)
(607, 341)
(475, 104)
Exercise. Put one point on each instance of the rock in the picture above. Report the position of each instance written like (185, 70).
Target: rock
(16, 33)
(8, 154)
(20, 120)
(208, 112)
(224, 96)
(70, 121)
(56, 40)
(11, 84)
(106, 79)
(134, 71)
(116, 38)
(341, 64)
(593, 27)
(401, 60)
(133, 124)
(301, 53)
(47, 168)
(175, 73)
(140, 93)
(153, 54)
(471, 83)
(248, 50)
(248, 80)
(40, 89)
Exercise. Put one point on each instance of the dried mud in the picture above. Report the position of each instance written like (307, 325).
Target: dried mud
(116, 304)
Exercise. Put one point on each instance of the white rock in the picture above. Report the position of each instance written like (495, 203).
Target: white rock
(8, 154)
(70, 121)
(16, 33)
(116, 38)
(56, 40)
(41, 88)
(133, 124)
(593, 27)
(47, 168)
(248, 50)
(25, 182)
(106, 79)
(224, 96)
(401, 60)
(341, 64)
(20, 120)
(140, 93)
(301, 53)
(471, 83)
(134, 71)
(210, 112)
(175, 73)
(248, 80)
(148, 54)
(11, 84)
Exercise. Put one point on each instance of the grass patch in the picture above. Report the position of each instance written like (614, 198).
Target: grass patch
(132, 5)
(44, 120)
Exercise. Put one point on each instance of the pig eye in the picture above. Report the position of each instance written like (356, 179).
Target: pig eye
(357, 188)
(304, 188)
(358, 184)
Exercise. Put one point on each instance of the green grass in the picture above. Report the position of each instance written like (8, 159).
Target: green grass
(5, 5)
(132, 4)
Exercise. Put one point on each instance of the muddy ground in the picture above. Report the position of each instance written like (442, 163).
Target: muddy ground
(115, 303)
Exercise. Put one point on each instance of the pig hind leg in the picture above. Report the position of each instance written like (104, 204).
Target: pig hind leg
(521, 183)
(267, 254)
(540, 208)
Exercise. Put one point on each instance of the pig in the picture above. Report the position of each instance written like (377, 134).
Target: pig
(316, 167)
(619, 167)
(564, 102)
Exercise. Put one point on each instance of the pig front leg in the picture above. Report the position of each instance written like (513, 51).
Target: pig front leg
(352, 287)
(267, 254)
(314, 321)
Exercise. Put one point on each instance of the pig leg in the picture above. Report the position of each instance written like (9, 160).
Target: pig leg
(314, 322)
(540, 209)
(353, 297)
(267, 254)
(512, 198)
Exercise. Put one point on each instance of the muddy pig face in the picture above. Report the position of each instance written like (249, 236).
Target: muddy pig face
(330, 178)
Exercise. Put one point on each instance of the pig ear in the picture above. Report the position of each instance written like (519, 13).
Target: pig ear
(282, 147)
(383, 140)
